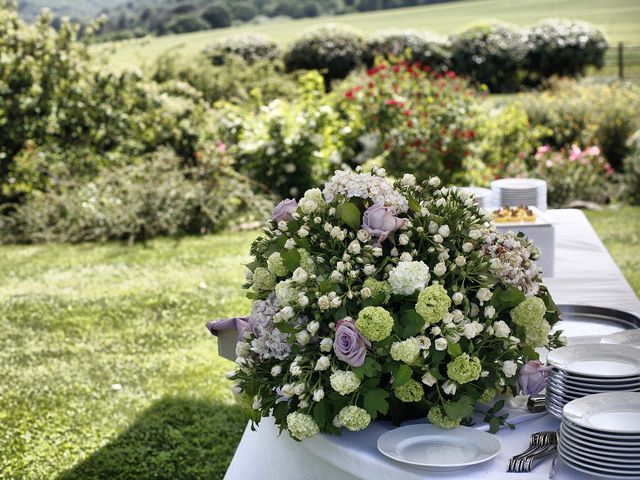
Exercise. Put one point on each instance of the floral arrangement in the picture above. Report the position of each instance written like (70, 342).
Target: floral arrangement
(393, 301)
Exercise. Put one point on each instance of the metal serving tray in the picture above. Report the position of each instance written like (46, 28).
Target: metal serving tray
(588, 324)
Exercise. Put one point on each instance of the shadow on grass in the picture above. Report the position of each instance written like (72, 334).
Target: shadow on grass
(176, 438)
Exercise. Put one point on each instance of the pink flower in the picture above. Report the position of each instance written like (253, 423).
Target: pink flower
(533, 377)
(574, 153)
(284, 210)
(541, 150)
(380, 221)
(593, 151)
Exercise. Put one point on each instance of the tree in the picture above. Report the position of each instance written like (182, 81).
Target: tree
(217, 16)
(243, 11)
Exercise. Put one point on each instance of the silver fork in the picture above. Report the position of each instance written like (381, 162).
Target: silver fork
(541, 444)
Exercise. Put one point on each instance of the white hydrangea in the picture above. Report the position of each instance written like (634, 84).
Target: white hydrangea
(364, 185)
(344, 382)
(301, 425)
(408, 277)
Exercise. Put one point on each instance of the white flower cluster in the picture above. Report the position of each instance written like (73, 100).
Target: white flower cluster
(512, 261)
(408, 277)
(268, 341)
(364, 185)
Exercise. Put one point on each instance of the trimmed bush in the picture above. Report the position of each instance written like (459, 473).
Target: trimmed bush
(631, 176)
(491, 55)
(186, 24)
(251, 48)
(331, 49)
(217, 16)
(135, 202)
(563, 47)
(423, 47)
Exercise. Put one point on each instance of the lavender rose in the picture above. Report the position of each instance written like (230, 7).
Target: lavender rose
(284, 210)
(350, 346)
(532, 378)
(380, 221)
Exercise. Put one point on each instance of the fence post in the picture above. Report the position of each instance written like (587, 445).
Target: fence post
(621, 60)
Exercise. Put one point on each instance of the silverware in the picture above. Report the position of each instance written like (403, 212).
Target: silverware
(541, 444)
(537, 403)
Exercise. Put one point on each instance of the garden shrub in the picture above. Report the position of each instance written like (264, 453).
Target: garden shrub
(424, 121)
(152, 197)
(413, 45)
(630, 179)
(602, 115)
(505, 139)
(563, 47)
(288, 146)
(251, 48)
(186, 24)
(491, 55)
(573, 174)
(235, 81)
(331, 49)
(217, 15)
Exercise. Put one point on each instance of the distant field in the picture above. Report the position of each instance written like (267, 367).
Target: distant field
(620, 19)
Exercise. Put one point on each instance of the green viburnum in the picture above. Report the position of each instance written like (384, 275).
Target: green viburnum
(301, 425)
(375, 323)
(405, 351)
(488, 395)
(263, 279)
(464, 369)
(437, 417)
(354, 418)
(306, 262)
(409, 392)
(433, 303)
(276, 265)
(378, 287)
(286, 292)
(529, 314)
(344, 382)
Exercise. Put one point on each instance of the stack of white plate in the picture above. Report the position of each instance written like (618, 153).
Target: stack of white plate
(483, 196)
(584, 369)
(631, 338)
(512, 192)
(600, 435)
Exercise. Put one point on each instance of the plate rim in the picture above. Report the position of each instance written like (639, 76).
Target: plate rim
(585, 410)
(631, 353)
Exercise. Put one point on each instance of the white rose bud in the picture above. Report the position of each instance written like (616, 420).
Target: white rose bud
(377, 251)
(489, 311)
(369, 269)
(290, 244)
(236, 389)
(276, 370)
(299, 275)
(326, 345)
(336, 276)
(324, 303)
(467, 247)
(437, 238)
(406, 257)
(440, 269)
(354, 247)
(286, 313)
(303, 337)
(318, 395)
(313, 327)
(317, 220)
(363, 236)
(403, 239)
(336, 302)
(303, 301)
(303, 232)
(428, 379)
(501, 329)
(509, 368)
(449, 387)
(394, 252)
(295, 369)
(322, 363)
(460, 261)
(484, 295)
(444, 230)
(457, 298)
(441, 344)
(303, 404)
(282, 226)
(408, 180)
(299, 389)
(365, 292)
(434, 181)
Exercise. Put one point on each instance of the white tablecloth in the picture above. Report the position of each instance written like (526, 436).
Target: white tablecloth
(585, 274)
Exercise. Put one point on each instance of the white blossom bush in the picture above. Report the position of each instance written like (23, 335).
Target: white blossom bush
(378, 300)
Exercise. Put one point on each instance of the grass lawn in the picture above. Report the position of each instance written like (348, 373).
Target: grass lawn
(618, 18)
(77, 320)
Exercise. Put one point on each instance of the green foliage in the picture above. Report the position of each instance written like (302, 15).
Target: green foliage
(288, 146)
(564, 48)
(413, 45)
(235, 81)
(489, 54)
(136, 202)
(334, 50)
(602, 115)
(251, 48)
(217, 15)
(416, 121)
(186, 24)
(631, 173)
(573, 174)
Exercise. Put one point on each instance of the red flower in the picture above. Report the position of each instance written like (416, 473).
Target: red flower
(451, 74)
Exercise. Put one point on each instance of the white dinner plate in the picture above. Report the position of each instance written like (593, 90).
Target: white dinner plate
(630, 338)
(596, 468)
(432, 448)
(621, 444)
(577, 392)
(597, 360)
(624, 437)
(576, 384)
(582, 449)
(613, 412)
(604, 448)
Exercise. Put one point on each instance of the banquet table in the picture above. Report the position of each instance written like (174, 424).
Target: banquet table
(584, 274)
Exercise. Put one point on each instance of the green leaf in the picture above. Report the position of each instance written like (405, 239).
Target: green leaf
(454, 349)
(321, 413)
(507, 298)
(499, 405)
(412, 323)
(340, 313)
(529, 352)
(291, 259)
(376, 401)
(327, 286)
(280, 412)
(494, 424)
(401, 374)
(350, 215)
(369, 368)
(413, 204)
(461, 408)
(375, 301)
(285, 328)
